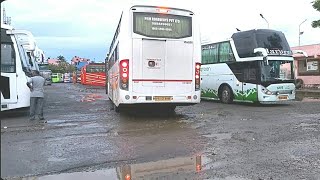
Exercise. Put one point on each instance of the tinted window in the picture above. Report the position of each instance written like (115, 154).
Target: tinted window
(225, 52)
(275, 43)
(162, 25)
(209, 54)
(7, 58)
(244, 46)
(91, 69)
(246, 71)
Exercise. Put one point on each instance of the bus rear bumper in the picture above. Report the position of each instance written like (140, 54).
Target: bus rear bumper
(181, 100)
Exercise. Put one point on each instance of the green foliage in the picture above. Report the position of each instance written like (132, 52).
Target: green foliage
(62, 67)
(61, 58)
(316, 5)
(316, 24)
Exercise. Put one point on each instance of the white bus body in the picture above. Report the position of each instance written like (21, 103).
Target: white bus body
(154, 58)
(28, 43)
(236, 70)
(14, 69)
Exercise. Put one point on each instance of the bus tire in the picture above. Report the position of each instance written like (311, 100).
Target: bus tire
(226, 95)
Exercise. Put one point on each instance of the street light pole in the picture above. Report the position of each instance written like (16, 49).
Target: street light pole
(300, 33)
(265, 20)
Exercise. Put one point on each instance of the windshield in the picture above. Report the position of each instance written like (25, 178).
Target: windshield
(43, 67)
(273, 41)
(276, 71)
(162, 25)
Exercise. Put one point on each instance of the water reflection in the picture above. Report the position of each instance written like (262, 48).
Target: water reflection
(173, 168)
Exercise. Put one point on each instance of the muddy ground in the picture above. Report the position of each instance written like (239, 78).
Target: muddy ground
(84, 137)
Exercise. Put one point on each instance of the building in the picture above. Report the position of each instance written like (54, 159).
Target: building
(308, 69)
(75, 60)
(54, 61)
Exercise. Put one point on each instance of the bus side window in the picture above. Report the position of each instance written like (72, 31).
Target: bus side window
(225, 52)
(29, 57)
(238, 70)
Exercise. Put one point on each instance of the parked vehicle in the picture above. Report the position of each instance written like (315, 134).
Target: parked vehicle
(154, 58)
(252, 66)
(93, 74)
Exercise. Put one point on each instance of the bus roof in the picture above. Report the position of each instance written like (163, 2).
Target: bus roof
(253, 31)
(164, 4)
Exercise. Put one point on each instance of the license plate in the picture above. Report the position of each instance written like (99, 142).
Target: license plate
(162, 98)
(283, 97)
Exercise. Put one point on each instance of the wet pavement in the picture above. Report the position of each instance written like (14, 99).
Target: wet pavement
(84, 137)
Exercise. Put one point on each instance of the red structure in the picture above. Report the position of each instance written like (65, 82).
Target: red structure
(93, 74)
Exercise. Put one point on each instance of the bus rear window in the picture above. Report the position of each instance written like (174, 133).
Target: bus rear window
(95, 69)
(162, 25)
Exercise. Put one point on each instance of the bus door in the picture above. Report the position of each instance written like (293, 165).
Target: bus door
(8, 79)
(250, 81)
(153, 62)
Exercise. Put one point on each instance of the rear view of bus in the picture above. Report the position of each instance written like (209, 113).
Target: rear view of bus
(93, 74)
(163, 66)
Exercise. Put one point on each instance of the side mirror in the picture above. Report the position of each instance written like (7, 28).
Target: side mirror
(264, 53)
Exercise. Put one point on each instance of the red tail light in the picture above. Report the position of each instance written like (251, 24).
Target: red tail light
(124, 74)
(197, 76)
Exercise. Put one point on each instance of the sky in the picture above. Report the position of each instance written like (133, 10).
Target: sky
(85, 28)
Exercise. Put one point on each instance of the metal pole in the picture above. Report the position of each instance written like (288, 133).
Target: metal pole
(265, 20)
(300, 31)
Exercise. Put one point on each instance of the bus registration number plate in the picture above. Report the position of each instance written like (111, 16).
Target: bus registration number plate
(283, 97)
(162, 98)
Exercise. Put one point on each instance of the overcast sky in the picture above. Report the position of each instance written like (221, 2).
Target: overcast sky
(85, 28)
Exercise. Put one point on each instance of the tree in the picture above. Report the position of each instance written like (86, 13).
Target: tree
(62, 67)
(61, 58)
(316, 5)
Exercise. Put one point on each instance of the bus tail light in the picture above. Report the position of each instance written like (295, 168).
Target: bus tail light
(124, 74)
(163, 10)
(197, 76)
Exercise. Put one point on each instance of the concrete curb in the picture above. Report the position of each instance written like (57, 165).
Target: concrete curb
(308, 93)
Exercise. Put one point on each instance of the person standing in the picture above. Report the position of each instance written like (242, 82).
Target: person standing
(36, 86)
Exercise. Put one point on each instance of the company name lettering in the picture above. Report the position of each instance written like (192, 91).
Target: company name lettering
(279, 52)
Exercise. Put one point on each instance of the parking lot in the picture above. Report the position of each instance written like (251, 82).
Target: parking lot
(235, 141)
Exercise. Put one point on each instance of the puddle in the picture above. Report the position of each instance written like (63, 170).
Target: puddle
(53, 159)
(90, 98)
(174, 168)
(96, 175)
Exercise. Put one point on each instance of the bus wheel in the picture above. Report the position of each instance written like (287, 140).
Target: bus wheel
(226, 95)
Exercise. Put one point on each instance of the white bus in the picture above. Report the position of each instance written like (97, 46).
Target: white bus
(14, 71)
(154, 58)
(253, 66)
(28, 43)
